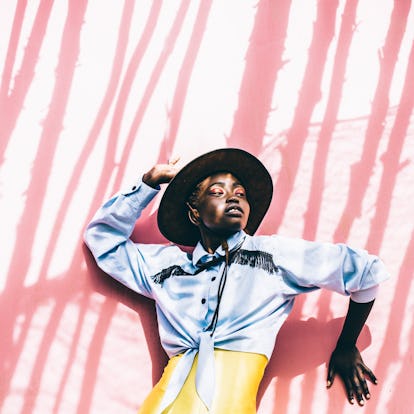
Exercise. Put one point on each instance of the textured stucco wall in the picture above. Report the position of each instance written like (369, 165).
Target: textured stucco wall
(94, 93)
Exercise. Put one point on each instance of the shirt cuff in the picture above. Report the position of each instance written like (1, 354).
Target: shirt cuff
(366, 295)
(140, 193)
(139, 185)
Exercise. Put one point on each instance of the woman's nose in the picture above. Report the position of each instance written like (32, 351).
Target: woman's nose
(232, 199)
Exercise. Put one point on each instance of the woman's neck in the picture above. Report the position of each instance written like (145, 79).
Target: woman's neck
(211, 241)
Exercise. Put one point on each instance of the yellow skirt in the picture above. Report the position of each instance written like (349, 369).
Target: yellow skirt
(238, 375)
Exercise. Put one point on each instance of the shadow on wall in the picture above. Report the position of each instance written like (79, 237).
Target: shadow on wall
(301, 347)
(104, 284)
(20, 303)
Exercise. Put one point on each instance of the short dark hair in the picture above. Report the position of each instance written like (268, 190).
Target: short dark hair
(193, 198)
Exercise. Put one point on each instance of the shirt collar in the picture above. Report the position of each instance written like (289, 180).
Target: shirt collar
(233, 241)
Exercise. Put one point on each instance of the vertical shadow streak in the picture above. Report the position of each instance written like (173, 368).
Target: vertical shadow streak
(319, 166)
(143, 306)
(324, 30)
(119, 57)
(83, 308)
(391, 169)
(11, 105)
(11, 53)
(149, 90)
(183, 80)
(132, 68)
(106, 313)
(116, 71)
(32, 390)
(361, 171)
(388, 354)
(264, 59)
(391, 160)
(120, 104)
(94, 355)
(75, 269)
(328, 124)
(26, 229)
(402, 384)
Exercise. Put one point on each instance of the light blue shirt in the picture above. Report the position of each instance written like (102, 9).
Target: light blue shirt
(265, 276)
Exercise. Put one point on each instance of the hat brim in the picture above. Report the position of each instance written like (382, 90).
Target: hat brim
(173, 220)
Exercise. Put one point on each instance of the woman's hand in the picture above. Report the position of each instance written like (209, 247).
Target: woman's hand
(346, 361)
(161, 173)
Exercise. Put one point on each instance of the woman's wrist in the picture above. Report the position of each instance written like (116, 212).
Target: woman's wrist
(149, 179)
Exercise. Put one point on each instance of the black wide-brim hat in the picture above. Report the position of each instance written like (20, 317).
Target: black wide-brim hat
(173, 220)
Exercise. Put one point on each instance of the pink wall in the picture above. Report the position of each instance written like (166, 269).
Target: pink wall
(94, 93)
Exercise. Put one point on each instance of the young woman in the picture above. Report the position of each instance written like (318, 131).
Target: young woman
(220, 308)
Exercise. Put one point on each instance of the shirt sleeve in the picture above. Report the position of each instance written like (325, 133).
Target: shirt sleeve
(108, 237)
(311, 265)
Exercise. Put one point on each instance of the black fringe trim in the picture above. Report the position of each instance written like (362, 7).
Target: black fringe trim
(253, 258)
(256, 258)
(168, 272)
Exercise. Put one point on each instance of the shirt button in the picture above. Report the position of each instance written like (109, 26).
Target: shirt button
(203, 301)
(134, 188)
(213, 278)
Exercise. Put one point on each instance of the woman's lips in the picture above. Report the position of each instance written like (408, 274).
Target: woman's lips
(234, 210)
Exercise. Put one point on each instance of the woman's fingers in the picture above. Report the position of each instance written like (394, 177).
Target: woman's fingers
(173, 160)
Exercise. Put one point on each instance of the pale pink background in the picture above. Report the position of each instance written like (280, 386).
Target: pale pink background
(93, 93)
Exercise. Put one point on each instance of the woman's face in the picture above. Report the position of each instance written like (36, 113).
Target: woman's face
(222, 204)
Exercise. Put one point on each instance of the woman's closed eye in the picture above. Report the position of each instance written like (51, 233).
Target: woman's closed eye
(216, 191)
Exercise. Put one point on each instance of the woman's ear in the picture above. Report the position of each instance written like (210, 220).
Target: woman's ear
(193, 215)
